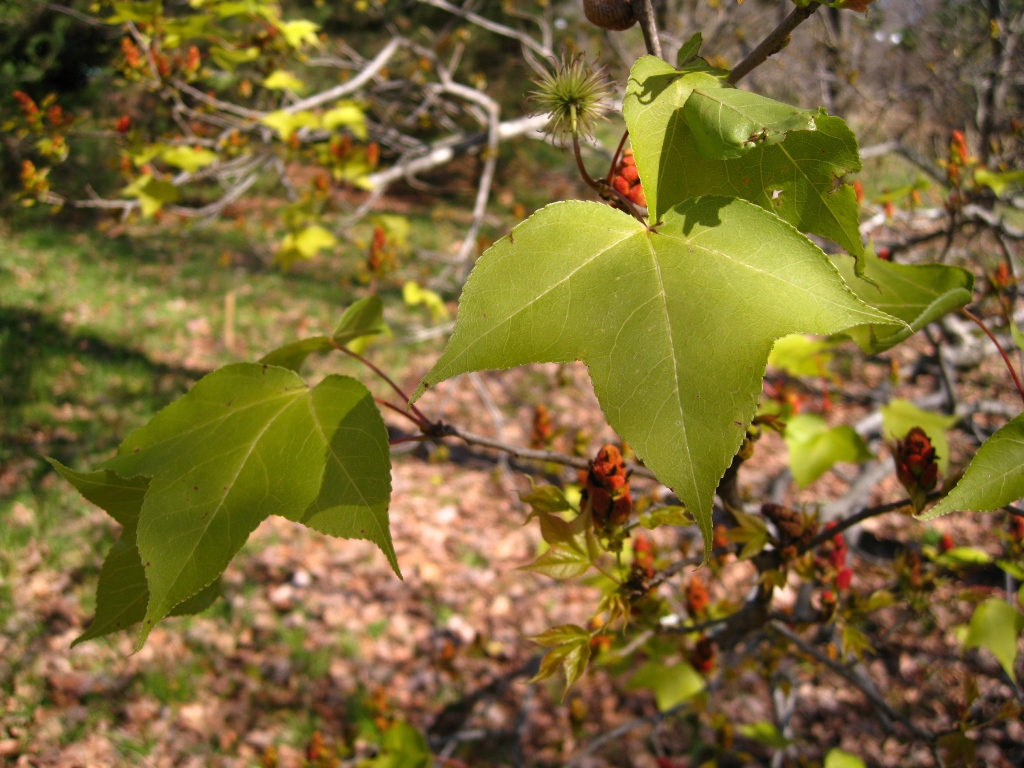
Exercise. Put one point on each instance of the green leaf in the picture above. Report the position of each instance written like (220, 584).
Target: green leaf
(994, 478)
(796, 178)
(800, 355)
(545, 498)
(1018, 336)
(151, 193)
(728, 123)
(281, 80)
(998, 182)
(901, 416)
(122, 593)
(246, 442)
(364, 317)
(918, 294)
(299, 32)
(765, 733)
(672, 684)
(675, 325)
(200, 601)
(287, 123)
(304, 244)
(119, 497)
(690, 50)
(570, 649)
(348, 114)
(413, 294)
(994, 627)
(403, 746)
(292, 356)
(561, 561)
(964, 556)
(666, 516)
(836, 758)
(814, 447)
(190, 159)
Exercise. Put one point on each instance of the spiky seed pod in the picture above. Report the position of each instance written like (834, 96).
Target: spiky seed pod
(573, 97)
(610, 14)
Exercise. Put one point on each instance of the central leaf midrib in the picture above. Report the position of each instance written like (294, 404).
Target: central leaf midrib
(204, 529)
(537, 297)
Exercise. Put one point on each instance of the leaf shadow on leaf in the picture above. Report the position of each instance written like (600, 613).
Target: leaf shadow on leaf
(653, 86)
(705, 215)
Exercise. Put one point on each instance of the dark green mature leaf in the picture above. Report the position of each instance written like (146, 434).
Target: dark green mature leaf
(795, 177)
(814, 447)
(994, 478)
(122, 593)
(292, 356)
(247, 442)
(918, 294)
(675, 324)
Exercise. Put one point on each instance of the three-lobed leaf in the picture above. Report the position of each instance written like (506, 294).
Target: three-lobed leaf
(246, 442)
(676, 324)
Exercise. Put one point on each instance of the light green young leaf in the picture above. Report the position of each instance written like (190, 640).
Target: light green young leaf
(727, 123)
(814, 447)
(918, 294)
(292, 356)
(836, 758)
(229, 58)
(672, 684)
(994, 478)
(402, 746)
(562, 561)
(304, 244)
(299, 32)
(901, 416)
(413, 294)
(666, 516)
(364, 317)
(1018, 336)
(998, 182)
(281, 80)
(570, 649)
(246, 442)
(286, 123)
(764, 732)
(190, 159)
(152, 193)
(800, 355)
(994, 627)
(544, 498)
(348, 114)
(796, 178)
(675, 325)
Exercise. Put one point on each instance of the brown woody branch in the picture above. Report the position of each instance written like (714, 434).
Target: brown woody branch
(773, 43)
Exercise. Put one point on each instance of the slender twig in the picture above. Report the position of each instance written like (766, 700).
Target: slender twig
(877, 701)
(773, 43)
(644, 11)
(424, 421)
(689, 629)
(852, 520)
(615, 158)
(1006, 358)
(533, 454)
(601, 189)
(400, 412)
(623, 729)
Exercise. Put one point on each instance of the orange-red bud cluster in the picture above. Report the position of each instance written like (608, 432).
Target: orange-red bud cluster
(915, 462)
(626, 180)
(697, 597)
(606, 488)
(543, 428)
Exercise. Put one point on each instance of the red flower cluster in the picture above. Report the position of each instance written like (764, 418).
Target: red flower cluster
(626, 180)
(697, 597)
(543, 428)
(915, 462)
(643, 557)
(606, 489)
